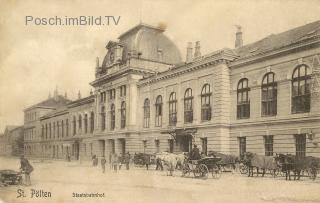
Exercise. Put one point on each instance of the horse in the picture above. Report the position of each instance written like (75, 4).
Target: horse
(226, 159)
(171, 161)
(253, 160)
(297, 164)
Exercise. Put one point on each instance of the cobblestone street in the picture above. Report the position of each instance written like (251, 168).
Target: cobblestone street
(63, 179)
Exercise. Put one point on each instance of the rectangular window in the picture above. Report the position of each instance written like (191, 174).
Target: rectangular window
(242, 146)
(269, 102)
(268, 145)
(112, 93)
(300, 145)
(123, 90)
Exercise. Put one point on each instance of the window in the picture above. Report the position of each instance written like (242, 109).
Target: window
(103, 97)
(159, 110)
(269, 95)
(50, 130)
(112, 93)
(123, 114)
(46, 131)
(91, 122)
(188, 106)
(206, 103)
(268, 145)
(300, 145)
(157, 144)
(243, 100)
(172, 109)
(67, 127)
(54, 130)
(42, 132)
(301, 80)
(146, 113)
(80, 122)
(85, 123)
(58, 129)
(123, 90)
(62, 128)
(103, 118)
(74, 125)
(242, 146)
(113, 117)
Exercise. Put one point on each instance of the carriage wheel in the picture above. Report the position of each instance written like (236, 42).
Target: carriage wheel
(216, 172)
(186, 170)
(243, 169)
(203, 169)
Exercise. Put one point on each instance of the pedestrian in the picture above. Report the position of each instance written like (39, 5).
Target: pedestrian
(103, 164)
(115, 162)
(127, 160)
(147, 160)
(120, 159)
(26, 168)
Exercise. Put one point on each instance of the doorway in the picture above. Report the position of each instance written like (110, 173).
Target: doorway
(102, 147)
(185, 143)
(122, 142)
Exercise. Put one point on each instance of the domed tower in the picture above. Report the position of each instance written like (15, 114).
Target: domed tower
(144, 43)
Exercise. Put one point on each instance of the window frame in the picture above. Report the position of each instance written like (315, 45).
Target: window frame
(188, 106)
(123, 114)
(206, 110)
(269, 104)
(243, 107)
(305, 97)
(173, 109)
(159, 111)
(146, 113)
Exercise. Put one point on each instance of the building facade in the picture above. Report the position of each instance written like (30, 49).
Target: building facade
(11, 141)
(262, 97)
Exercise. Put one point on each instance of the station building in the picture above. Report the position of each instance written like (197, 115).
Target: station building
(261, 97)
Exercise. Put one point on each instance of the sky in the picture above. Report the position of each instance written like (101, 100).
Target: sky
(35, 59)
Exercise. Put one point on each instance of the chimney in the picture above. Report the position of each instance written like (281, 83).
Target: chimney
(91, 92)
(197, 52)
(239, 41)
(79, 95)
(189, 52)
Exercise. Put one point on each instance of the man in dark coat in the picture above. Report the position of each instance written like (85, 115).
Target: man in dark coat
(195, 153)
(26, 168)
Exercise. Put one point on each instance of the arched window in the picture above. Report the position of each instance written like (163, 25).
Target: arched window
(46, 131)
(172, 109)
(269, 95)
(85, 123)
(74, 125)
(188, 106)
(159, 110)
(91, 122)
(80, 122)
(103, 118)
(243, 99)
(301, 80)
(112, 117)
(146, 113)
(206, 103)
(123, 114)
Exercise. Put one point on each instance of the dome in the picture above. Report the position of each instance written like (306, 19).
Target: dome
(148, 43)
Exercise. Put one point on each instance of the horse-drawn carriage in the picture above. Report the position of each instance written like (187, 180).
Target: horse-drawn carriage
(10, 177)
(143, 159)
(201, 168)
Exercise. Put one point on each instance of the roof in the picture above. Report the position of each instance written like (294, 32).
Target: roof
(52, 102)
(139, 26)
(277, 41)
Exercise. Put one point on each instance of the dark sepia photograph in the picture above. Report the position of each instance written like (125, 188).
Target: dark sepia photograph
(164, 101)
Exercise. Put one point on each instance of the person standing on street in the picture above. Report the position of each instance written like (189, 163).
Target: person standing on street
(26, 168)
(127, 160)
(103, 164)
